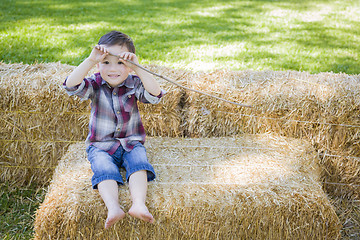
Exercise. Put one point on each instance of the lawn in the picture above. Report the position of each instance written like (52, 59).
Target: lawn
(314, 36)
(17, 209)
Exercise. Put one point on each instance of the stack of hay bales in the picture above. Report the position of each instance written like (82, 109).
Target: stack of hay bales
(36, 115)
(321, 108)
(35, 120)
(38, 120)
(244, 187)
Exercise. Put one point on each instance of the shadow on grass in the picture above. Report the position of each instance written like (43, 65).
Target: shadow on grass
(65, 30)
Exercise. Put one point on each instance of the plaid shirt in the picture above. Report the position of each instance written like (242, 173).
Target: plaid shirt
(115, 117)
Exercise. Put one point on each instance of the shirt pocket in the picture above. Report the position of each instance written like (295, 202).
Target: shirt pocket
(129, 102)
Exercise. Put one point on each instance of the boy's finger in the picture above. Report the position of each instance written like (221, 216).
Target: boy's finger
(122, 58)
(127, 55)
(102, 48)
(121, 55)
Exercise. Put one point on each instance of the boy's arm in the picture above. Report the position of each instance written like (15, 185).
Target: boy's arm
(149, 82)
(76, 77)
(79, 73)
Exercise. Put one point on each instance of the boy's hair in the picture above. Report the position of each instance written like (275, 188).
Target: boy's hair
(117, 38)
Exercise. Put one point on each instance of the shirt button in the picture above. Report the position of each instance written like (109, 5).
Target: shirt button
(118, 129)
(129, 96)
(118, 112)
(114, 93)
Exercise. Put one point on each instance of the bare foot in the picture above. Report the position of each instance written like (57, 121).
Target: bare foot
(140, 211)
(114, 216)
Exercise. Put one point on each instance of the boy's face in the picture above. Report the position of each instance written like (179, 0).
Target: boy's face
(112, 70)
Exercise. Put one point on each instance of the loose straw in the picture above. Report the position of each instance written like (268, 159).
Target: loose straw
(181, 86)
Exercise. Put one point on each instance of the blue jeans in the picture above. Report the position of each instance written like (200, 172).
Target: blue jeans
(107, 167)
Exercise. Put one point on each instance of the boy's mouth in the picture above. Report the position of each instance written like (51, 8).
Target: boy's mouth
(113, 75)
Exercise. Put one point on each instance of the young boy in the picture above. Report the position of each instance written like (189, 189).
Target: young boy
(116, 134)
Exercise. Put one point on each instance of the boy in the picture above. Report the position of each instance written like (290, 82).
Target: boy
(116, 134)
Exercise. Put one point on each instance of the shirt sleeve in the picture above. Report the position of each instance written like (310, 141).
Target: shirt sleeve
(83, 90)
(153, 99)
(143, 95)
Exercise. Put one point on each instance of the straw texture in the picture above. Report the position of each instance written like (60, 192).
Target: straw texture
(35, 121)
(166, 118)
(245, 187)
(293, 104)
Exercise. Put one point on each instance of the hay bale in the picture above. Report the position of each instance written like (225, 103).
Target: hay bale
(36, 115)
(34, 122)
(245, 187)
(293, 104)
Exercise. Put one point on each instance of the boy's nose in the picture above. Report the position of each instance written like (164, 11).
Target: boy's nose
(113, 66)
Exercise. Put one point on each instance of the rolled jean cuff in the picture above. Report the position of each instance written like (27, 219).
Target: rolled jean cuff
(96, 181)
(147, 167)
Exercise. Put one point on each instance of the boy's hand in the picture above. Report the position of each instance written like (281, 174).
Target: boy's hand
(124, 56)
(146, 78)
(98, 53)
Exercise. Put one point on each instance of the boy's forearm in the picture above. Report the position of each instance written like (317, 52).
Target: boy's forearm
(79, 73)
(149, 82)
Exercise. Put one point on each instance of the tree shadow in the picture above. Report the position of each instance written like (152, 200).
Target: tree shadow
(166, 26)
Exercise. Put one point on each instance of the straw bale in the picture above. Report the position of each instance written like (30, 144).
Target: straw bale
(166, 118)
(35, 112)
(35, 120)
(244, 187)
(293, 104)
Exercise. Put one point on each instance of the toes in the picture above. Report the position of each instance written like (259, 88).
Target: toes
(142, 215)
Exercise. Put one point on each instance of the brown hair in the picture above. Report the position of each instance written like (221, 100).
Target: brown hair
(117, 38)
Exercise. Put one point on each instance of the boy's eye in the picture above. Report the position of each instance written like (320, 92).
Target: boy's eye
(106, 62)
(120, 62)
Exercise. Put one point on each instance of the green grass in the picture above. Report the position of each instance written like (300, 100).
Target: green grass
(17, 208)
(314, 36)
